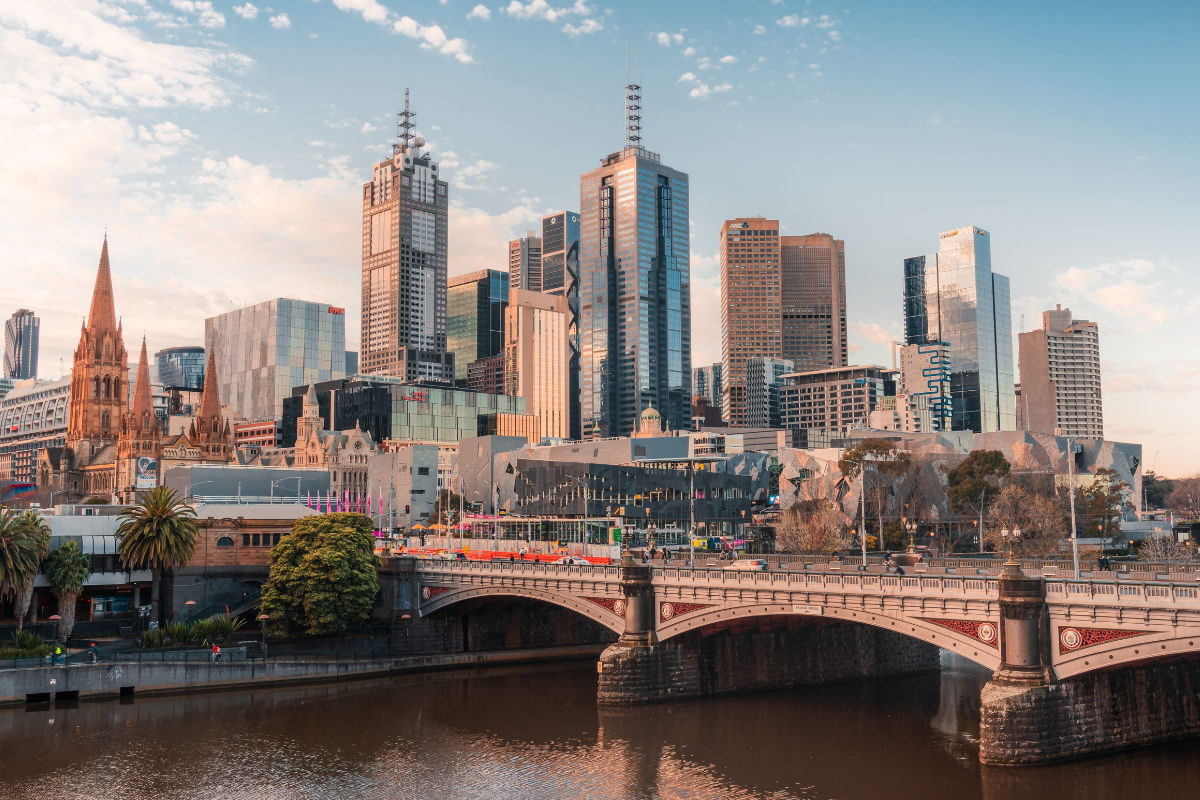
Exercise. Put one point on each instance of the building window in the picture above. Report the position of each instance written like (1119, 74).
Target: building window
(254, 539)
(245, 540)
(225, 541)
(422, 470)
(275, 538)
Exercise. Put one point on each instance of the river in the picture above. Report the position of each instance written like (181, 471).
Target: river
(536, 733)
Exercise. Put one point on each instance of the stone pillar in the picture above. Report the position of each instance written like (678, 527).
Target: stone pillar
(1024, 652)
(630, 670)
(639, 602)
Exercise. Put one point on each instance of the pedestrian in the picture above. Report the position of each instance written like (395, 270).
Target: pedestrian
(215, 650)
(899, 570)
(58, 654)
(95, 651)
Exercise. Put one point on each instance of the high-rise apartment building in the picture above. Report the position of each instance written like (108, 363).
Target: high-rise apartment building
(751, 321)
(264, 350)
(635, 281)
(706, 382)
(404, 264)
(1060, 377)
(560, 275)
(525, 262)
(953, 296)
(833, 399)
(537, 355)
(764, 376)
(475, 305)
(21, 332)
(486, 375)
(813, 302)
(180, 367)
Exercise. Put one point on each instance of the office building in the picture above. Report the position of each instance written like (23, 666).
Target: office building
(537, 355)
(404, 264)
(750, 305)
(706, 382)
(21, 332)
(525, 262)
(263, 350)
(635, 284)
(953, 296)
(257, 433)
(923, 388)
(1060, 377)
(764, 376)
(813, 303)
(486, 375)
(833, 399)
(560, 276)
(33, 415)
(475, 305)
(180, 367)
(351, 362)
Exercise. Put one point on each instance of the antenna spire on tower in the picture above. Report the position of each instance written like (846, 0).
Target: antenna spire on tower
(404, 125)
(633, 102)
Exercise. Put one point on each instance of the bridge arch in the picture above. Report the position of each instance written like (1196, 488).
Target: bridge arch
(598, 612)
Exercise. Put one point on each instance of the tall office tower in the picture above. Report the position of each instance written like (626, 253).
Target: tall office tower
(706, 382)
(750, 306)
(953, 296)
(537, 353)
(404, 264)
(351, 363)
(1060, 377)
(813, 271)
(635, 283)
(764, 376)
(560, 275)
(180, 367)
(475, 305)
(21, 345)
(525, 263)
(263, 350)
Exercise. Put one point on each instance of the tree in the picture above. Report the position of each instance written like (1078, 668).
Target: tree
(880, 463)
(1164, 548)
(158, 532)
(20, 554)
(68, 569)
(1185, 497)
(1037, 517)
(445, 509)
(812, 526)
(35, 527)
(1156, 490)
(1101, 504)
(974, 482)
(324, 576)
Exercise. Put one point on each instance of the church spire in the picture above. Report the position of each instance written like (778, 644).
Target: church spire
(210, 401)
(103, 316)
(141, 403)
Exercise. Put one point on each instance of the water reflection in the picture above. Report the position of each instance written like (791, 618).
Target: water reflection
(537, 733)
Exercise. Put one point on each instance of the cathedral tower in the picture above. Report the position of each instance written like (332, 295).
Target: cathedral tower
(139, 444)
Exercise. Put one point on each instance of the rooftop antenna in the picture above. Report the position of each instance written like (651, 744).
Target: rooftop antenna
(404, 126)
(633, 101)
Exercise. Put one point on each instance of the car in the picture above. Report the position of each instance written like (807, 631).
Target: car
(573, 561)
(450, 557)
(749, 565)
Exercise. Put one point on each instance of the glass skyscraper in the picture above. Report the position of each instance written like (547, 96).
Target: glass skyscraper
(953, 296)
(634, 294)
(262, 351)
(475, 305)
(180, 367)
(560, 275)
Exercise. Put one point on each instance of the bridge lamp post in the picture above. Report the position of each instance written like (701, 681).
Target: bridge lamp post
(1010, 538)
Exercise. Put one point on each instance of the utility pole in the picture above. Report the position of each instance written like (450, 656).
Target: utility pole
(1071, 489)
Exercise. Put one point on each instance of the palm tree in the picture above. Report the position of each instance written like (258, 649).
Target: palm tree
(68, 569)
(19, 554)
(158, 531)
(33, 526)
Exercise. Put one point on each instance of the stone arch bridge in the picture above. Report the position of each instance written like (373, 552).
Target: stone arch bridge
(1072, 657)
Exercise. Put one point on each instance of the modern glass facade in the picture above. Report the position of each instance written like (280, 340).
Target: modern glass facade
(560, 275)
(21, 333)
(180, 367)
(953, 296)
(635, 283)
(262, 351)
(475, 305)
(706, 382)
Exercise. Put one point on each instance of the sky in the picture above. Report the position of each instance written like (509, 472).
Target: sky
(223, 147)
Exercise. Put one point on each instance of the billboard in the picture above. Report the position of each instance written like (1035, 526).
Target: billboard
(147, 473)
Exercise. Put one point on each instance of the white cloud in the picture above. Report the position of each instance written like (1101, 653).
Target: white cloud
(701, 90)
(479, 236)
(835, 36)
(667, 39)
(792, 21)
(248, 11)
(368, 127)
(727, 60)
(685, 77)
(208, 17)
(725, 87)
(431, 37)
(825, 21)
(689, 52)
(760, 29)
(480, 12)
(585, 26)
(814, 66)
(280, 21)
(371, 10)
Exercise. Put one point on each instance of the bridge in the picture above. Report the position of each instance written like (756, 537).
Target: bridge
(1050, 637)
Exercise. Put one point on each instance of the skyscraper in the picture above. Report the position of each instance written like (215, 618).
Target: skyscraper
(181, 367)
(813, 276)
(764, 376)
(706, 383)
(475, 305)
(953, 296)
(404, 264)
(635, 276)
(537, 354)
(560, 275)
(525, 262)
(21, 345)
(1060, 377)
(750, 305)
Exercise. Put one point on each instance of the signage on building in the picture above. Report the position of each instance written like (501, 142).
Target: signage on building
(335, 310)
(147, 473)
(416, 397)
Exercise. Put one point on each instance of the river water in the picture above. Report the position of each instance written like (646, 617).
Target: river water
(537, 733)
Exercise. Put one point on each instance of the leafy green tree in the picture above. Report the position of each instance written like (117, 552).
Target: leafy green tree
(975, 482)
(445, 509)
(31, 526)
(20, 554)
(1156, 490)
(157, 532)
(324, 576)
(68, 569)
(881, 464)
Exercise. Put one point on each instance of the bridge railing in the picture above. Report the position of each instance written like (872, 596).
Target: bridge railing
(981, 562)
(1124, 591)
(530, 568)
(831, 581)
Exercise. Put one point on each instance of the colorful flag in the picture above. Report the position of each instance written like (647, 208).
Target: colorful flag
(310, 499)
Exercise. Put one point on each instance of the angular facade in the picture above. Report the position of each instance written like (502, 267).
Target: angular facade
(635, 283)
(263, 350)
(560, 275)
(953, 296)
(475, 305)
(21, 332)
(1060, 377)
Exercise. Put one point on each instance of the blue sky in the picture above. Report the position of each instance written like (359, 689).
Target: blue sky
(224, 145)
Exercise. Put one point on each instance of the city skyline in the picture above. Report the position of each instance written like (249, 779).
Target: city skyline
(1136, 277)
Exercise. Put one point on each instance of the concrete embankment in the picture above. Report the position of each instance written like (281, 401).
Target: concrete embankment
(87, 681)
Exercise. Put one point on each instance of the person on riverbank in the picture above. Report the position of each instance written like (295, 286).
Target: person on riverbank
(215, 651)
(95, 651)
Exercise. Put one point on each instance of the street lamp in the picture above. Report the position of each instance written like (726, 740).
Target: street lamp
(191, 495)
(190, 603)
(1010, 538)
(262, 618)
